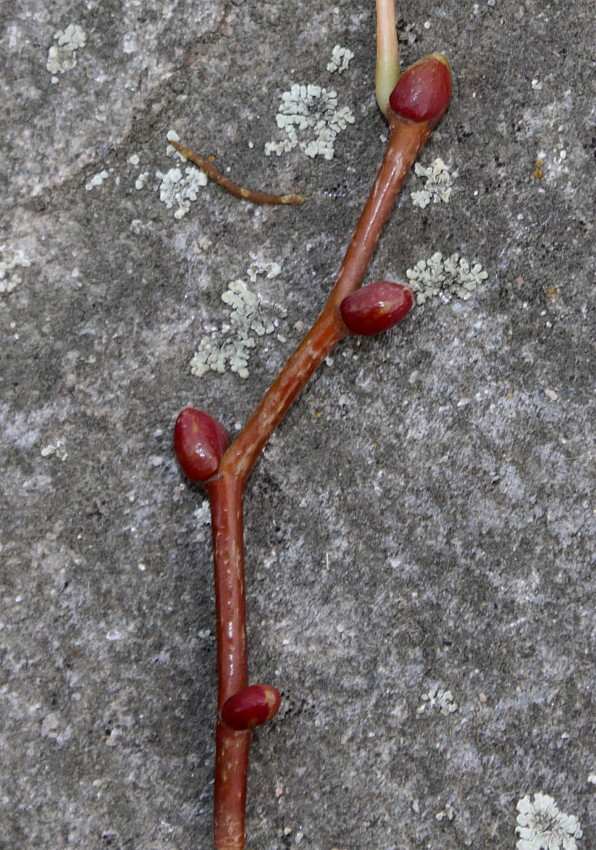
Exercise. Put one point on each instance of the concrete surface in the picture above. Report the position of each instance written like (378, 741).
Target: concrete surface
(422, 522)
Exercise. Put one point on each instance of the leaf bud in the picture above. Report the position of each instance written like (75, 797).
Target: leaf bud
(376, 307)
(423, 91)
(250, 707)
(199, 443)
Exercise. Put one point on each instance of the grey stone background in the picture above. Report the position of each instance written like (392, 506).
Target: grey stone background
(423, 519)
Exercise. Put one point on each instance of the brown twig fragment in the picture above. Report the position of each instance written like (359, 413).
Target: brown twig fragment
(415, 105)
(255, 197)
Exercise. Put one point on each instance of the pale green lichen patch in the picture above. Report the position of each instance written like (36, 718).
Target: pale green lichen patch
(11, 263)
(142, 180)
(340, 59)
(542, 826)
(177, 189)
(311, 119)
(222, 351)
(438, 185)
(62, 56)
(54, 449)
(437, 698)
(261, 266)
(96, 180)
(251, 316)
(172, 136)
(444, 277)
(203, 520)
(249, 310)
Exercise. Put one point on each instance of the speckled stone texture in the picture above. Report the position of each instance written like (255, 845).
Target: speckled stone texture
(424, 517)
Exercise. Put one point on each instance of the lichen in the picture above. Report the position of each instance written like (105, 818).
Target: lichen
(54, 449)
(178, 187)
(179, 190)
(260, 265)
(340, 59)
(438, 698)
(542, 826)
(444, 277)
(251, 315)
(221, 352)
(96, 180)
(11, 261)
(203, 520)
(141, 180)
(62, 56)
(438, 186)
(311, 119)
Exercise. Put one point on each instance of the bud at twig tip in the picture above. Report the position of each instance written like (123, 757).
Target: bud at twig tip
(423, 91)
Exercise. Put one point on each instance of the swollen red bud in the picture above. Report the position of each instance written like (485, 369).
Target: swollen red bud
(199, 443)
(423, 91)
(250, 707)
(375, 307)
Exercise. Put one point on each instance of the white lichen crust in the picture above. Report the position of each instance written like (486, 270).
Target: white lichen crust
(178, 187)
(203, 520)
(11, 261)
(542, 826)
(438, 698)
(311, 119)
(179, 190)
(340, 59)
(230, 346)
(56, 449)
(62, 56)
(438, 186)
(96, 180)
(172, 136)
(444, 277)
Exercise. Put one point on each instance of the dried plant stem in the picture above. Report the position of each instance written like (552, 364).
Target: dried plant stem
(226, 489)
(255, 197)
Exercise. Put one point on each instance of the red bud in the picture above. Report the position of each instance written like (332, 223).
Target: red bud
(423, 91)
(375, 307)
(250, 707)
(199, 443)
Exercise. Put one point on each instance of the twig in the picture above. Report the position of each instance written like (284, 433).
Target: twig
(414, 106)
(255, 197)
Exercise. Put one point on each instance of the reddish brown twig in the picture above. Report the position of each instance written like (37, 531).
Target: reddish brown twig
(415, 105)
(254, 196)
(226, 489)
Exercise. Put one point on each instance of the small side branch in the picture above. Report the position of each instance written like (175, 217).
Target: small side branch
(255, 197)
(387, 66)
